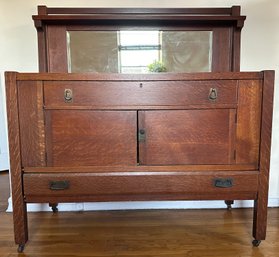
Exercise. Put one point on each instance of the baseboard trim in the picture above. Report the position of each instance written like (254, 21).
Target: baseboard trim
(103, 206)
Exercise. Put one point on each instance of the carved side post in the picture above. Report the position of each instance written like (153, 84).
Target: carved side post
(19, 205)
(260, 204)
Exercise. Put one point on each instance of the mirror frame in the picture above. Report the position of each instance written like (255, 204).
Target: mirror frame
(52, 25)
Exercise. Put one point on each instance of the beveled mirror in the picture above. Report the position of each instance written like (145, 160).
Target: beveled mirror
(139, 51)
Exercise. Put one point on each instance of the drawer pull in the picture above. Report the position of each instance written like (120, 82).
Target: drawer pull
(223, 182)
(212, 94)
(68, 95)
(59, 185)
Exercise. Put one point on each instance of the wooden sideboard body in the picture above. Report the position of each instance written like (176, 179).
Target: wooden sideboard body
(114, 137)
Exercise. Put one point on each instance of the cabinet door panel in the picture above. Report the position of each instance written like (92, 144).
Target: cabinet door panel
(187, 137)
(80, 138)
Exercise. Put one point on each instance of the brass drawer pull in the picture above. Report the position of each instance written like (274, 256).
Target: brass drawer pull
(223, 182)
(212, 94)
(59, 185)
(68, 95)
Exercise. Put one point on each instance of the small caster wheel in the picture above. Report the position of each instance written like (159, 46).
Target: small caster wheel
(20, 248)
(54, 207)
(256, 243)
(229, 204)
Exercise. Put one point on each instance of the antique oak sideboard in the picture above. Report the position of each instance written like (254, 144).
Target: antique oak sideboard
(82, 130)
(113, 137)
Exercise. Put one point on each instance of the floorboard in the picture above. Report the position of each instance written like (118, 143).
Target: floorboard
(162, 233)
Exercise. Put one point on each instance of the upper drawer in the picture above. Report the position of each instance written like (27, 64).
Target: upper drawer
(135, 93)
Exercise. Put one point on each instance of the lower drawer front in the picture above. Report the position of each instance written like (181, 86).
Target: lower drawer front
(109, 186)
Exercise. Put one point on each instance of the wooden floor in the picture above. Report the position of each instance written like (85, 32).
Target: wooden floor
(168, 233)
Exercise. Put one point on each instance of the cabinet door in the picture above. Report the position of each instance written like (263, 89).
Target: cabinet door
(187, 137)
(83, 137)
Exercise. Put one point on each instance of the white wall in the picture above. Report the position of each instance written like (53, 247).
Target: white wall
(260, 50)
(4, 157)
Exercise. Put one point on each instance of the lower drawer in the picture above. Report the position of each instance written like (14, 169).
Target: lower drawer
(140, 186)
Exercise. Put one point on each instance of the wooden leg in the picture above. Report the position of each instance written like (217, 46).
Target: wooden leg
(54, 207)
(19, 205)
(259, 220)
(229, 204)
(20, 221)
(260, 204)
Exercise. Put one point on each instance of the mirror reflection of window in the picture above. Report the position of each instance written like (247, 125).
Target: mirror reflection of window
(134, 51)
(138, 49)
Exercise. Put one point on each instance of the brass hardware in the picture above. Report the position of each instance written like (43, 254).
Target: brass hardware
(223, 182)
(59, 185)
(68, 95)
(141, 135)
(212, 94)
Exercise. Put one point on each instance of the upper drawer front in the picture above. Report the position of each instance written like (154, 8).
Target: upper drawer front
(135, 93)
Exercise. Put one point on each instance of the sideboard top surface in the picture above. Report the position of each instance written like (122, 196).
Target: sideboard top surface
(141, 77)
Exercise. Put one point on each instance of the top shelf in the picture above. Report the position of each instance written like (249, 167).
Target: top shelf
(181, 15)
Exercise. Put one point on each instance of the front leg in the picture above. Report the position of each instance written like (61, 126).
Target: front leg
(260, 203)
(19, 204)
(259, 219)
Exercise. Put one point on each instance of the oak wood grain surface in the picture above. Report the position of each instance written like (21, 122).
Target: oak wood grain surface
(139, 93)
(44, 10)
(116, 184)
(140, 77)
(184, 137)
(151, 233)
(31, 118)
(248, 121)
(91, 138)
(56, 42)
(138, 168)
(19, 206)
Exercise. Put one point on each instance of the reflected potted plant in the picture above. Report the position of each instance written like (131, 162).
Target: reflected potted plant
(156, 66)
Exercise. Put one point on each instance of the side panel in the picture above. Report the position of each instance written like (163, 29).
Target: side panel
(31, 117)
(248, 122)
